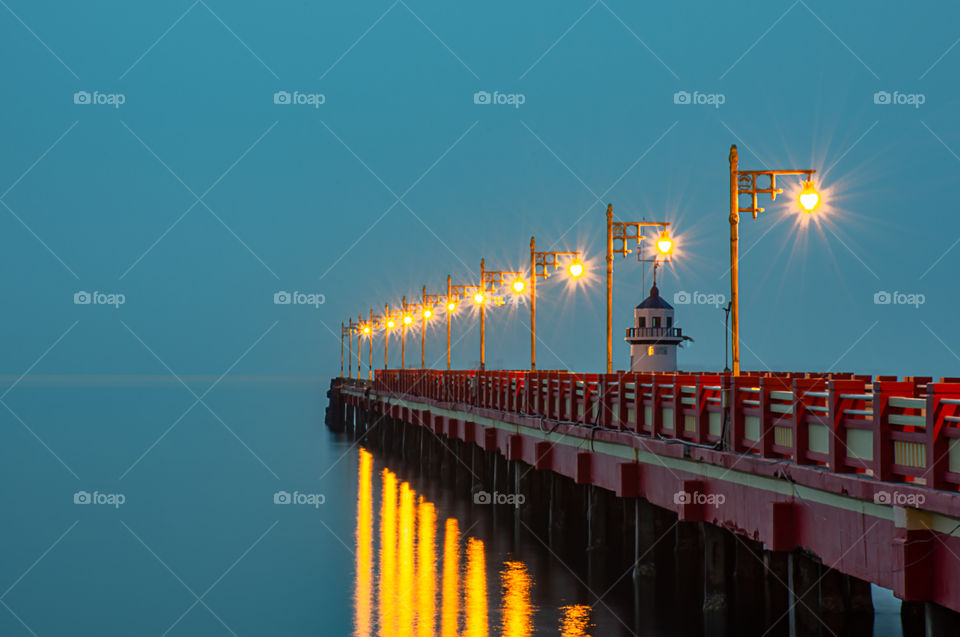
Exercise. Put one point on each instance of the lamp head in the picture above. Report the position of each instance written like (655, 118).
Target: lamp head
(664, 243)
(518, 286)
(479, 298)
(809, 197)
(575, 269)
(407, 320)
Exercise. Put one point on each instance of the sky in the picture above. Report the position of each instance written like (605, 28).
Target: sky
(178, 164)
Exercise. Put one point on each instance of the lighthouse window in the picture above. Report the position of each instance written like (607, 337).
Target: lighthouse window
(669, 321)
(656, 321)
(656, 351)
(642, 321)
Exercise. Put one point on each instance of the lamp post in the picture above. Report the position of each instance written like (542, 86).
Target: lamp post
(540, 265)
(389, 322)
(426, 309)
(624, 231)
(341, 349)
(744, 182)
(456, 292)
(369, 330)
(489, 280)
(359, 342)
(407, 320)
(349, 333)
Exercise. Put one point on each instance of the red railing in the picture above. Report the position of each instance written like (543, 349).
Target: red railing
(894, 430)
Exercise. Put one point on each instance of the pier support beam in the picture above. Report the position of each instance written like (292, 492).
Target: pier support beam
(940, 620)
(716, 562)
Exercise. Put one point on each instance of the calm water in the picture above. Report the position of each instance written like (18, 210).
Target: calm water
(198, 545)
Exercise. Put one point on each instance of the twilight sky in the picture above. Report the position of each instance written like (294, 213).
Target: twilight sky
(144, 155)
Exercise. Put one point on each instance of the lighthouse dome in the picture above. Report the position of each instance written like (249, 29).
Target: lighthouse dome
(654, 301)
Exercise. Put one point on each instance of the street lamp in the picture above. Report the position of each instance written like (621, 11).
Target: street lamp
(744, 182)
(391, 318)
(624, 231)
(541, 265)
(493, 279)
(454, 294)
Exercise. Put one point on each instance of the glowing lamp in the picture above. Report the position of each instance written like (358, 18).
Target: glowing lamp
(407, 320)
(665, 243)
(518, 286)
(451, 306)
(576, 269)
(479, 298)
(427, 313)
(809, 197)
(391, 324)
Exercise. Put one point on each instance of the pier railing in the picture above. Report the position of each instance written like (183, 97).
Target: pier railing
(892, 429)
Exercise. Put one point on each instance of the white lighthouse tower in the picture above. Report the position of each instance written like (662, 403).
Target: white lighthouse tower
(654, 337)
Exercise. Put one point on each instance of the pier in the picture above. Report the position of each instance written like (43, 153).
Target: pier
(782, 496)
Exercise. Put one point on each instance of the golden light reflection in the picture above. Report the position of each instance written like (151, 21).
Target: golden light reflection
(405, 558)
(410, 574)
(426, 569)
(388, 555)
(364, 579)
(575, 621)
(516, 611)
(450, 600)
(475, 595)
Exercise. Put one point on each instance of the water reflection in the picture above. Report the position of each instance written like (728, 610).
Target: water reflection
(575, 621)
(364, 544)
(450, 604)
(410, 574)
(426, 569)
(517, 612)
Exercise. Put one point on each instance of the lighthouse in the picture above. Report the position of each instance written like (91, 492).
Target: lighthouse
(654, 338)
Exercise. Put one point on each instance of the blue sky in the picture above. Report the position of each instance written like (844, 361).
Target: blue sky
(198, 198)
